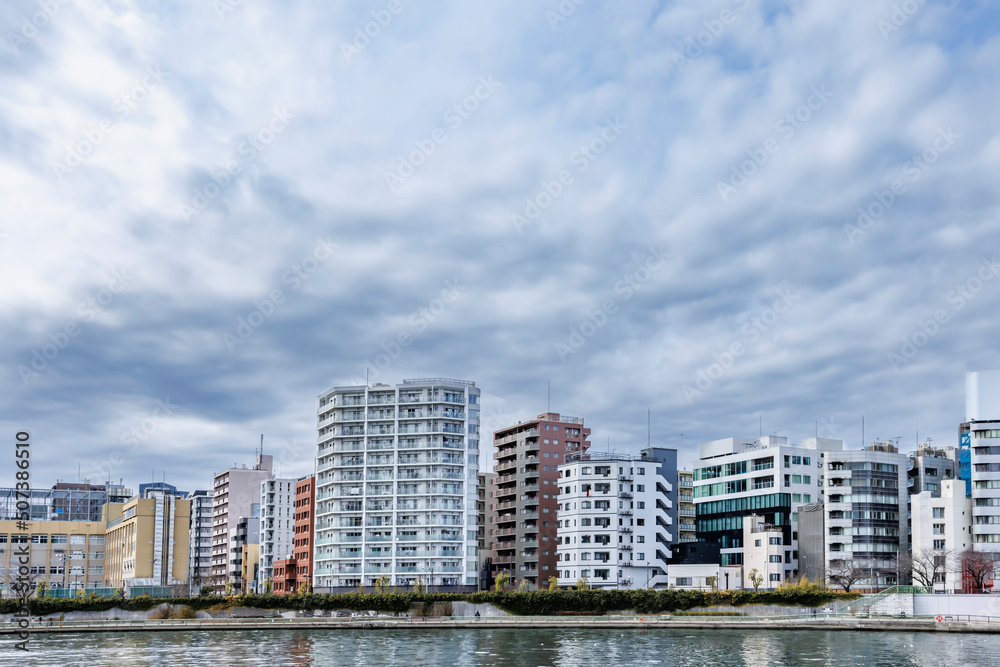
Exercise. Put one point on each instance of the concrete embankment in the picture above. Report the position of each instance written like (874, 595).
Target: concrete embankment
(875, 623)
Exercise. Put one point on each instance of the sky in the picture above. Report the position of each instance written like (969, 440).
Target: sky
(732, 216)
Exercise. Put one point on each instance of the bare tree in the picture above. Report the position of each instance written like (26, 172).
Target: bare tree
(976, 568)
(846, 573)
(925, 566)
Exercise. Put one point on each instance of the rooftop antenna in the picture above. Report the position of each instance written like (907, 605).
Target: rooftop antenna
(262, 444)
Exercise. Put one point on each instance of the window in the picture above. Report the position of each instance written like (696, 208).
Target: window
(939, 544)
(797, 460)
(796, 479)
(756, 543)
(640, 556)
(774, 559)
(640, 487)
(939, 529)
(641, 539)
(39, 539)
(807, 497)
(806, 461)
(775, 577)
(640, 522)
(938, 512)
(640, 471)
(931, 472)
(774, 540)
(682, 581)
(807, 479)
(796, 497)
(58, 539)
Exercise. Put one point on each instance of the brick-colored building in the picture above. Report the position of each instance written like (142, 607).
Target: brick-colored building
(525, 494)
(290, 573)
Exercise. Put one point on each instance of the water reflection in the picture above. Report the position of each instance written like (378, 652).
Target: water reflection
(508, 648)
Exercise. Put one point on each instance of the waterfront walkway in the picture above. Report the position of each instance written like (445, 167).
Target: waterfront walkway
(810, 622)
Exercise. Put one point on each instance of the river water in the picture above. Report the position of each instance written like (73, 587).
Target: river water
(508, 647)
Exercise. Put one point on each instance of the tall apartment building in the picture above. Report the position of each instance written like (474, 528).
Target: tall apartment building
(736, 478)
(614, 526)
(277, 523)
(942, 531)
(865, 506)
(525, 496)
(980, 439)
(686, 529)
(61, 554)
(295, 569)
(397, 472)
(200, 539)
(236, 492)
(146, 541)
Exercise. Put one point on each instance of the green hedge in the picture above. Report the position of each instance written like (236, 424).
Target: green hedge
(530, 603)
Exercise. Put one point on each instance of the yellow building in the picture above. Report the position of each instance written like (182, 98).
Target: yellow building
(251, 564)
(147, 541)
(60, 554)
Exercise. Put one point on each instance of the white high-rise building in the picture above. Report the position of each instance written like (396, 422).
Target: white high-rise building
(277, 523)
(736, 478)
(980, 442)
(396, 485)
(614, 520)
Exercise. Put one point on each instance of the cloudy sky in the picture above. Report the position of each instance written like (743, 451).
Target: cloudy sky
(738, 214)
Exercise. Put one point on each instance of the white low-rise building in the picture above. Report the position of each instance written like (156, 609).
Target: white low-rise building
(942, 530)
(706, 577)
(614, 521)
(763, 553)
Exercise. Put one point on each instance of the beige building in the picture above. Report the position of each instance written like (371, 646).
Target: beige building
(147, 541)
(249, 576)
(61, 554)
